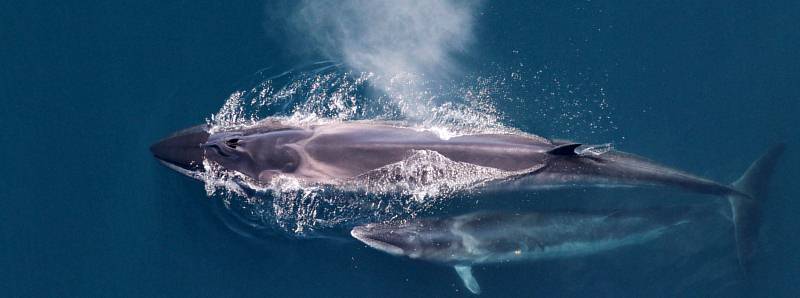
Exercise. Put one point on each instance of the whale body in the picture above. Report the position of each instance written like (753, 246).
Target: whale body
(493, 237)
(335, 152)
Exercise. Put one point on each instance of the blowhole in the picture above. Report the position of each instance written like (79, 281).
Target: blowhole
(232, 143)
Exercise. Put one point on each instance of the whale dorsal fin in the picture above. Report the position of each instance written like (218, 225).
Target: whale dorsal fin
(465, 273)
(565, 150)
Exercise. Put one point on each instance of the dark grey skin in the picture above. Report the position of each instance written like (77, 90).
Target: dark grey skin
(329, 154)
(338, 152)
(486, 238)
(332, 153)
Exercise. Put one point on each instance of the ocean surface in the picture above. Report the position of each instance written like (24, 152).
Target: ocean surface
(86, 88)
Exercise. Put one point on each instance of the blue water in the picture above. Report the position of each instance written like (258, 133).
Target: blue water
(86, 211)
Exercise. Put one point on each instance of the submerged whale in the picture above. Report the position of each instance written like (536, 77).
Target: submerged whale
(486, 237)
(336, 152)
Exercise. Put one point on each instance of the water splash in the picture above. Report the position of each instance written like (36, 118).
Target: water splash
(325, 93)
(427, 174)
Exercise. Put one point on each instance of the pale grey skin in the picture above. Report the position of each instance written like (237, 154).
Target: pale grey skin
(485, 238)
(328, 154)
(336, 152)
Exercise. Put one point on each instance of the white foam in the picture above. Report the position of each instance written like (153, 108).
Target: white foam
(427, 174)
(329, 95)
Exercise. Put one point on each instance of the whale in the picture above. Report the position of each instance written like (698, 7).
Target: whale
(498, 237)
(485, 237)
(334, 152)
(337, 152)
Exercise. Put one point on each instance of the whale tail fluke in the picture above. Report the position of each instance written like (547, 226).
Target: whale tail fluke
(746, 203)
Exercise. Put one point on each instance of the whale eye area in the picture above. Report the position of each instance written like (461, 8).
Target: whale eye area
(232, 143)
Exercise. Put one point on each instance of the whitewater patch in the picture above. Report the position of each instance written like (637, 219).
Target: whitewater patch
(324, 94)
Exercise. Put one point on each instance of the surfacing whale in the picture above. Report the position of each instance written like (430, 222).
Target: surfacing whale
(493, 237)
(337, 152)
(334, 152)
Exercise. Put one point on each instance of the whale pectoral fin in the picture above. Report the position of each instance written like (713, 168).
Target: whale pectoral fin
(565, 150)
(465, 272)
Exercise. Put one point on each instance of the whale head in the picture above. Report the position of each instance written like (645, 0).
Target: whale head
(258, 153)
(418, 239)
(182, 150)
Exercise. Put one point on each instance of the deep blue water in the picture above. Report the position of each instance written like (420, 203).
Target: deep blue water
(86, 87)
